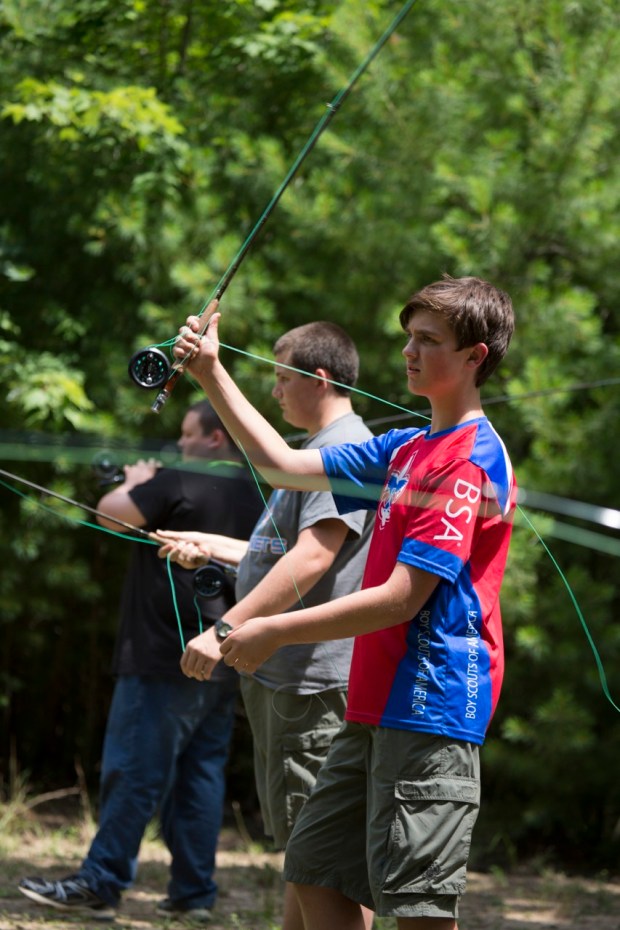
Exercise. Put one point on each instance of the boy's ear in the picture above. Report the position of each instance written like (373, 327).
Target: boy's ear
(477, 354)
(320, 374)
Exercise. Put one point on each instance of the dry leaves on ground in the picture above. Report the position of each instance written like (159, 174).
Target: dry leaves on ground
(250, 890)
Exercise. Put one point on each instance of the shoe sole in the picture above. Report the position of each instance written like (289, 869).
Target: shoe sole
(102, 913)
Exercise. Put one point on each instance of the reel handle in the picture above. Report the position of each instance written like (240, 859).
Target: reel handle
(150, 368)
(165, 393)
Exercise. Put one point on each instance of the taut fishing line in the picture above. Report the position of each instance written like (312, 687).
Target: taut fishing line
(69, 500)
(149, 367)
(141, 535)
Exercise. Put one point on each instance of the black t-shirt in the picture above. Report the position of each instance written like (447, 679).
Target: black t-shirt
(213, 497)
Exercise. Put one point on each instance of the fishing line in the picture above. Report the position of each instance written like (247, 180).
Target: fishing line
(74, 503)
(149, 367)
(510, 398)
(310, 374)
(64, 516)
(144, 536)
(35, 446)
(597, 658)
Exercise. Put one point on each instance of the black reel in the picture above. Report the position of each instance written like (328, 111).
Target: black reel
(107, 469)
(214, 579)
(149, 368)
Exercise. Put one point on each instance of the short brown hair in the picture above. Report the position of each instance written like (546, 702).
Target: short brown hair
(322, 344)
(475, 310)
(209, 420)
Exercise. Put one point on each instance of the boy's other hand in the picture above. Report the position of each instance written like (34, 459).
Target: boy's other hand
(250, 644)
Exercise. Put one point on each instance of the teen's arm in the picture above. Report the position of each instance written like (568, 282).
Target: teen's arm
(192, 549)
(292, 576)
(398, 600)
(298, 469)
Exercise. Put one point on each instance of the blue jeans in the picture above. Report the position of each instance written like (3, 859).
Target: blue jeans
(166, 745)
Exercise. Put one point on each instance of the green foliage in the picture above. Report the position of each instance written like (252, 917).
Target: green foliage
(140, 144)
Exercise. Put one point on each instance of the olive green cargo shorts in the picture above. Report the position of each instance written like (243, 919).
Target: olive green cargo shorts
(389, 822)
(292, 734)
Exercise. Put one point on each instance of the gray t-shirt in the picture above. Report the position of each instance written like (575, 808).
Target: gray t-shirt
(306, 669)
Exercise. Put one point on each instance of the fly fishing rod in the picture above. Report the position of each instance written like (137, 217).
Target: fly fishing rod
(209, 581)
(69, 500)
(150, 367)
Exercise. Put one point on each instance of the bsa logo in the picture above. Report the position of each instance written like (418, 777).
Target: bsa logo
(394, 487)
(458, 508)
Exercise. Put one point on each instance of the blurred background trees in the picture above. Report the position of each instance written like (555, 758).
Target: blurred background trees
(140, 141)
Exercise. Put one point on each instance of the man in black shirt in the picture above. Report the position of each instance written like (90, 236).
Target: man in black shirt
(167, 736)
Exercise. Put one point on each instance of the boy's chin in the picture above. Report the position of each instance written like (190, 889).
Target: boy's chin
(292, 421)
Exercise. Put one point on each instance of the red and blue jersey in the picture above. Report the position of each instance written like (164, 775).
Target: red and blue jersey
(444, 504)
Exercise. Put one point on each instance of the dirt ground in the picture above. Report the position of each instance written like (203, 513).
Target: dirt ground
(250, 889)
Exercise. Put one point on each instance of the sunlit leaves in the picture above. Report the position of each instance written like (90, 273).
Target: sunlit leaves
(129, 112)
(48, 391)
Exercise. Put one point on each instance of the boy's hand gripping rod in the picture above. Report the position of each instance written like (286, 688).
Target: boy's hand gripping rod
(149, 367)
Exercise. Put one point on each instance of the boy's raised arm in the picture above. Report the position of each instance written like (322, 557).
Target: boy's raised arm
(299, 469)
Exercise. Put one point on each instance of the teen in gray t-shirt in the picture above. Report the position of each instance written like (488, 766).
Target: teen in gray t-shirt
(306, 669)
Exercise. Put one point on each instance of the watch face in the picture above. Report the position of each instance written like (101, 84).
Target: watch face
(222, 629)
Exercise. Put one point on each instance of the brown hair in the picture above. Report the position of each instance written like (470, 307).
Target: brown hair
(475, 310)
(322, 344)
(210, 421)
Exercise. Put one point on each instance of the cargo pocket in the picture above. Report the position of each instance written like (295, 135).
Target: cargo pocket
(303, 755)
(430, 836)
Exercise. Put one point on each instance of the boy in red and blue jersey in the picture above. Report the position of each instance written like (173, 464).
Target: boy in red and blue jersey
(388, 825)
(439, 511)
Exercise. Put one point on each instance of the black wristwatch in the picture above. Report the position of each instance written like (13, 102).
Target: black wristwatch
(222, 629)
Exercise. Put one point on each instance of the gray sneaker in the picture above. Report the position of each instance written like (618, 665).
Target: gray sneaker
(67, 894)
(176, 911)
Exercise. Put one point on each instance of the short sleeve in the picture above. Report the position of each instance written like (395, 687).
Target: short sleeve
(155, 497)
(442, 519)
(357, 471)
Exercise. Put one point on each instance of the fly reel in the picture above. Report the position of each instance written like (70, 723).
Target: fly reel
(214, 579)
(149, 368)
